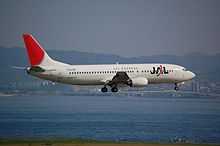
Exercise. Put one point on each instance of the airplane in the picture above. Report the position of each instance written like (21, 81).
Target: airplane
(107, 75)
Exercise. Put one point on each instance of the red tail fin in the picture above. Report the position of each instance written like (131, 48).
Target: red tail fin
(34, 50)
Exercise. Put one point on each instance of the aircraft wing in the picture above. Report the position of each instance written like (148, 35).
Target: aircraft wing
(120, 78)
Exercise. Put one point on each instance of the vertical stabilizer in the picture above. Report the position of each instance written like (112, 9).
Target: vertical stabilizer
(36, 53)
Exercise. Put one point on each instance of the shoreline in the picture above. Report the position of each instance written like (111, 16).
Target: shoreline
(87, 142)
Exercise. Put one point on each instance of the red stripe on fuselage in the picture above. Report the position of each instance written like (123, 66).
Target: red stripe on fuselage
(161, 69)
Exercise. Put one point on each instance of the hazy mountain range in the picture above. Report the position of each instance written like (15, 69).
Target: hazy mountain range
(205, 66)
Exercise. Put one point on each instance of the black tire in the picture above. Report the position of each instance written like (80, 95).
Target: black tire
(129, 83)
(104, 89)
(176, 88)
(114, 89)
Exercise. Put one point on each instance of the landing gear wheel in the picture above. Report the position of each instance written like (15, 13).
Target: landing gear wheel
(129, 83)
(114, 89)
(176, 87)
(104, 89)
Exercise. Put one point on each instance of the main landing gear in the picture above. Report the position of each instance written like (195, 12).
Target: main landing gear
(176, 87)
(113, 89)
(104, 89)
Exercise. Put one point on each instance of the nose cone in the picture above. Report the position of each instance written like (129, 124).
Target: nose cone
(191, 75)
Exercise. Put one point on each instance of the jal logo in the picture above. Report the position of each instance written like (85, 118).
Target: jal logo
(159, 70)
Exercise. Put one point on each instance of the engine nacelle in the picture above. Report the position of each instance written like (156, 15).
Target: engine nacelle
(139, 82)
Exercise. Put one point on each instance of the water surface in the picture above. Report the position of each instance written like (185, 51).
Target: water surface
(124, 118)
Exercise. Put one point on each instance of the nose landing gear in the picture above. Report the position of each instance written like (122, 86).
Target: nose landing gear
(176, 87)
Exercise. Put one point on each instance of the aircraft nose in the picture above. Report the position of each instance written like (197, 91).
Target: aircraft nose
(192, 75)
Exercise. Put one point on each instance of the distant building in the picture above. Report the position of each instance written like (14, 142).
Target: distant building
(195, 86)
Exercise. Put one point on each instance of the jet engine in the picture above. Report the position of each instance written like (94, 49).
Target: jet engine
(139, 82)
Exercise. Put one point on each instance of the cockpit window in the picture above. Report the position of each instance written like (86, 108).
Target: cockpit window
(184, 69)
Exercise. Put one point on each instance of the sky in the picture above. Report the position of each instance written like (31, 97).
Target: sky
(127, 28)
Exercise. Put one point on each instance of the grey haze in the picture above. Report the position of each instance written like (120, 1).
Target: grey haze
(122, 27)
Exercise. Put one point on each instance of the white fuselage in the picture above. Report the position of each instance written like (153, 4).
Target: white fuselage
(133, 75)
(100, 74)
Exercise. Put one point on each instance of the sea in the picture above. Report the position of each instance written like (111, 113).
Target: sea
(163, 119)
